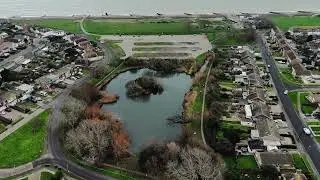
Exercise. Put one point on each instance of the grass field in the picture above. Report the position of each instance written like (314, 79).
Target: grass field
(25, 144)
(138, 27)
(286, 22)
(241, 162)
(69, 25)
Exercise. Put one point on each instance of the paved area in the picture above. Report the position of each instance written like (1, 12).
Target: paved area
(193, 45)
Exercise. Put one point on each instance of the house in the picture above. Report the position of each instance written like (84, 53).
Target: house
(300, 70)
(256, 94)
(241, 79)
(277, 159)
(248, 112)
(314, 98)
(260, 110)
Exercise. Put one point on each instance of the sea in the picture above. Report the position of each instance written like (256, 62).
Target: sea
(31, 8)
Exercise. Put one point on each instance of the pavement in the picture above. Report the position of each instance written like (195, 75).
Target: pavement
(24, 121)
(309, 144)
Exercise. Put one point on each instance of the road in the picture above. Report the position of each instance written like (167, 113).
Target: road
(310, 145)
(55, 155)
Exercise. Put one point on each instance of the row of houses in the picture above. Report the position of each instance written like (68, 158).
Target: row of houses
(257, 107)
(289, 53)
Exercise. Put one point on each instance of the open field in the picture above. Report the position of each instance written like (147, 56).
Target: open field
(286, 22)
(25, 144)
(148, 27)
(69, 25)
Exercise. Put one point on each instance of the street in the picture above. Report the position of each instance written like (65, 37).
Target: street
(309, 144)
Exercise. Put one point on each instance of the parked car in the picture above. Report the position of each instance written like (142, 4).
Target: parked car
(307, 131)
(8, 109)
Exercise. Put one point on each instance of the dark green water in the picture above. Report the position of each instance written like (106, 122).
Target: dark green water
(145, 120)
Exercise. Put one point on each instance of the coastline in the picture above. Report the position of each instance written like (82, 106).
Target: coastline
(155, 16)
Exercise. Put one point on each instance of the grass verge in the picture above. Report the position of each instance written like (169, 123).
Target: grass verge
(46, 176)
(26, 143)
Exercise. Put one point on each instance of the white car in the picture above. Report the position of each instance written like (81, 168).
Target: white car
(269, 66)
(285, 92)
(307, 131)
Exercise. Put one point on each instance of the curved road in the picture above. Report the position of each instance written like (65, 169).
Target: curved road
(309, 144)
(55, 155)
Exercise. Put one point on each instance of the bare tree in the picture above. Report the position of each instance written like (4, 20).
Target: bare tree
(91, 139)
(73, 110)
(193, 164)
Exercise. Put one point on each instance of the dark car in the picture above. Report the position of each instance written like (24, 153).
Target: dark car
(8, 109)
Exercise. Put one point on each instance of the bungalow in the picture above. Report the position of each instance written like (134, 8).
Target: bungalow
(256, 94)
(300, 70)
(314, 98)
(260, 110)
(277, 159)
(241, 79)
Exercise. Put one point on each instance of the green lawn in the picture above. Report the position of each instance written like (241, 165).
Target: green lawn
(241, 162)
(306, 106)
(301, 162)
(227, 85)
(25, 144)
(138, 27)
(243, 131)
(287, 77)
(285, 22)
(46, 176)
(294, 98)
(69, 25)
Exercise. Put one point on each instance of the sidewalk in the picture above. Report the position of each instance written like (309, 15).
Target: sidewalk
(24, 121)
(4, 173)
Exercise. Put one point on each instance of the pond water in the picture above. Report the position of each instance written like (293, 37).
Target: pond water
(145, 120)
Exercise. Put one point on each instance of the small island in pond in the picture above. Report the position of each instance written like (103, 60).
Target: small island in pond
(143, 86)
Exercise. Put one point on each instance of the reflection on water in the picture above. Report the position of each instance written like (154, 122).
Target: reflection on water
(146, 121)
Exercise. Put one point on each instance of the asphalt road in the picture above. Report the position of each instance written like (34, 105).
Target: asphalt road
(309, 144)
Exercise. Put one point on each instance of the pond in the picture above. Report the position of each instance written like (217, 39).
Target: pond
(146, 120)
